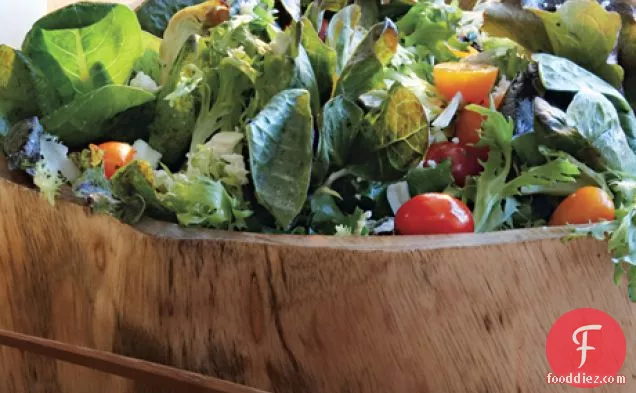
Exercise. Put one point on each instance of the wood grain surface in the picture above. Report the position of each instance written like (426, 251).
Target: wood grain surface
(290, 314)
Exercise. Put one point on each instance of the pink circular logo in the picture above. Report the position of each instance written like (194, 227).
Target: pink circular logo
(586, 348)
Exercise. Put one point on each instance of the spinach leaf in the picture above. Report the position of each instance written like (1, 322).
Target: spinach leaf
(590, 131)
(596, 119)
(81, 121)
(154, 15)
(344, 34)
(388, 146)
(85, 46)
(341, 122)
(430, 179)
(363, 70)
(322, 58)
(328, 219)
(16, 89)
(280, 146)
(560, 74)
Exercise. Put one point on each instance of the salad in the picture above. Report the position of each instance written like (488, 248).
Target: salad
(341, 118)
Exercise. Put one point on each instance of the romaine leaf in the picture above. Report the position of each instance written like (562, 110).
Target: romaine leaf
(280, 146)
(85, 46)
(149, 62)
(16, 90)
(202, 202)
(388, 147)
(81, 121)
(154, 15)
(186, 23)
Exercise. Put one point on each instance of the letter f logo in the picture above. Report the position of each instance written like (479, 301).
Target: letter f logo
(583, 344)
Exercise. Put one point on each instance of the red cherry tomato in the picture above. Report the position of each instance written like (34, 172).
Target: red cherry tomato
(116, 155)
(464, 159)
(434, 214)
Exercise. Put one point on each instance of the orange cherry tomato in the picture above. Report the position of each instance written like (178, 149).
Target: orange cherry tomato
(474, 81)
(468, 123)
(434, 214)
(116, 155)
(586, 205)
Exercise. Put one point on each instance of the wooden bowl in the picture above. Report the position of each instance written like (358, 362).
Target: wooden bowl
(289, 314)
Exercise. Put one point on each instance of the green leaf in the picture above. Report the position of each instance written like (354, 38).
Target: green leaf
(16, 90)
(85, 46)
(131, 184)
(582, 31)
(81, 121)
(322, 58)
(341, 124)
(154, 15)
(305, 78)
(280, 146)
(388, 147)
(345, 34)
(328, 219)
(560, 74)
(430, 179)
(627, 58)
(171, 130)
(199, 201)
(495, 202)
(149, 62)
(596, 119)
(363, 71)
(508, 59)
(507, 19)
(293, 8)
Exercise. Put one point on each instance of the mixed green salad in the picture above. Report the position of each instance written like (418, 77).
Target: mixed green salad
(333, 117)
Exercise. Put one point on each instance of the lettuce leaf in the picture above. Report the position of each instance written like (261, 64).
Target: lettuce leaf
(580, 30)
(85, 46)
(495, 202)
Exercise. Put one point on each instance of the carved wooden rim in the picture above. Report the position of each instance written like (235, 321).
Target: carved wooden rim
(162, 229)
